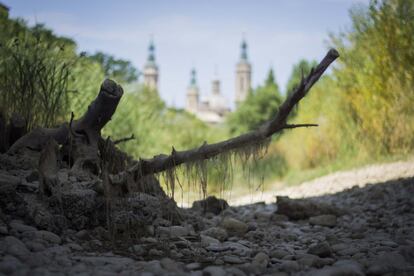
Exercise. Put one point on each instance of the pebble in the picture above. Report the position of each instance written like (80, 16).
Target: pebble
(289, 266)
(371, 236)
(214, 271)
(321, 249)
(323, 220)
(231, 259)
(234, 226)
(216, 232)
(16, 247)
(21, 228)
(206, 240)
(279, 253)
(10, 265)
(261, 259)
(172, 231)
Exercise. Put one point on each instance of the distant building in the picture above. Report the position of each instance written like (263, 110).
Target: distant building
(215, 106)
(210, 110)
(243, 76)
(151, 69)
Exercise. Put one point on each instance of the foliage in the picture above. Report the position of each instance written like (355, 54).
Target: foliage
(364, 109)
(119, 70)
(302, 68)
(260, 105)
(34, 73)
(376, 76)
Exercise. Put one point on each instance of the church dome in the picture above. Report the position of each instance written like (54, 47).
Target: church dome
(218, 103)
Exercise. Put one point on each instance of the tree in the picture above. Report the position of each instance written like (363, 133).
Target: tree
(300, 69)
(375, 76)
(258, 107)
(118, 69)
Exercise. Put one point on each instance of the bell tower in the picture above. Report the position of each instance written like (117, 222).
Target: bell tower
(192, 94)
(151, 69)
(243, 75)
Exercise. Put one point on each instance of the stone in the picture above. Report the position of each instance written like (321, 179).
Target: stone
(169, 265)
(74, 247)
(261, 259)
(279, 253)
(214, 271)
(35, 246)
(47, 236)
(231, 259)
(289, 266)
(206, 240)
(234, 226)
(321, 249)
(302, 208)
(237, 248)
(234, 271)
(210, 205)
(172, 231)
(4, 230)
(193, 266)
(16, 247)
(21, 228)
(137, 249)
(341, 267)
(155, 252)
(386, 263)
(216, 232)
(82, 234)
(9, 265)
(323, 220)
(310, 260)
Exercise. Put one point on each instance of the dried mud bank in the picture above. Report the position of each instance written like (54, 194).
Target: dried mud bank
(365, 230)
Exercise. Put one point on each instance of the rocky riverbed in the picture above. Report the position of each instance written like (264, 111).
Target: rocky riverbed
(362, 230)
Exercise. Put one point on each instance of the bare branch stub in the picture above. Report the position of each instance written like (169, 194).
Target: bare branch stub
(161, 163)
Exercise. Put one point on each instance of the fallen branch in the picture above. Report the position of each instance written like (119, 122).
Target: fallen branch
(89, 126)
(163, 162)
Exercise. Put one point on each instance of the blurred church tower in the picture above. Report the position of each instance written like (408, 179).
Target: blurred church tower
(151, 69)
(192, 94)
(243, 76)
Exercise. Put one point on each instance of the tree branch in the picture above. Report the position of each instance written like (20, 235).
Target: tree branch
(125, 139)
(299, 125)
(164, 162)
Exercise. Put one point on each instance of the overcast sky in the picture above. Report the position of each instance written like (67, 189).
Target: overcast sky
(203, 34)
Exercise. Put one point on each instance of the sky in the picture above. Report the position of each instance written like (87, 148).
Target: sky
(195, 33)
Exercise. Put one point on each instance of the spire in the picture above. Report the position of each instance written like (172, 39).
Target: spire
(151, 51)
(243, 55)
(193, 81)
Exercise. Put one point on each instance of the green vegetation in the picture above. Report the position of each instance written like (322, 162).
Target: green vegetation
(259, 106)
(363, 108)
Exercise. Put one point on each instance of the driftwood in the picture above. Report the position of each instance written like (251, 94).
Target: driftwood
(161, 163)
(81, 138)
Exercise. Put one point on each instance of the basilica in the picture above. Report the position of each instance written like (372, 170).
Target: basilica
(213, 108)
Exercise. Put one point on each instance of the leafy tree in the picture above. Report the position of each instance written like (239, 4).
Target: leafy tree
(376, 75)
(302, 68)
(118, 69)
(364, 110)
(259, 106)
